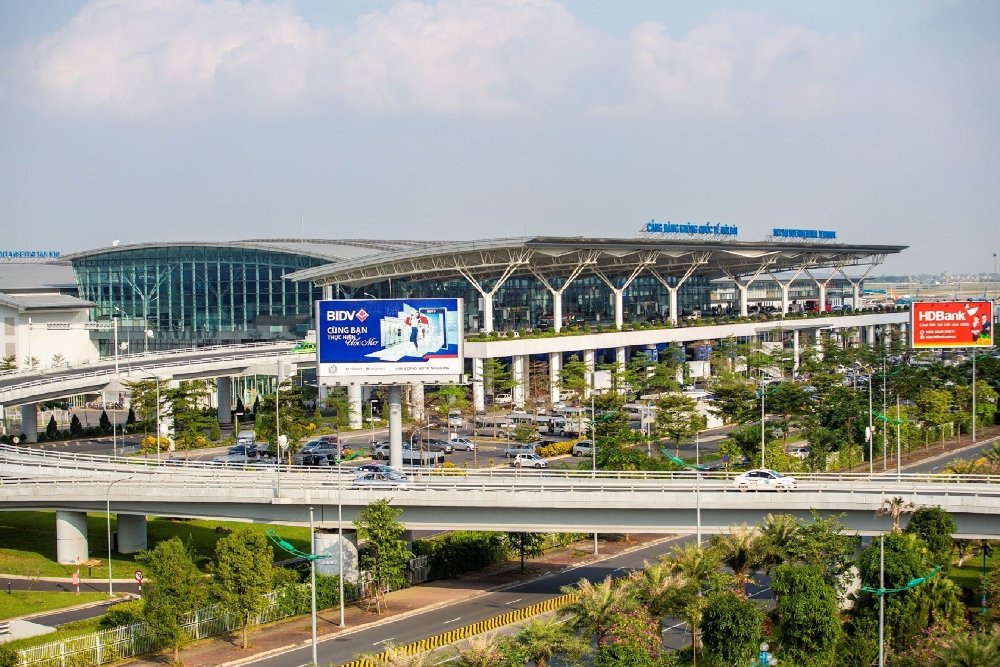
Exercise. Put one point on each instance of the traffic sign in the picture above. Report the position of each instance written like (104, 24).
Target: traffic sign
(138, 576)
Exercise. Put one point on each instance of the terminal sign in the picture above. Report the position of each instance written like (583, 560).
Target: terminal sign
(824, 235)
(951, 324)
(707, 229)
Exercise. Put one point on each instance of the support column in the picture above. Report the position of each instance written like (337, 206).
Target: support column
(619, 292)
(555, 367)
(395, 427)
(71, 537)
(29, 422)
(327, 292)
(745, 289)
(796, 356)
(785, 287)
(329, 544)
(744, 298)
(417, 402)
(131, 533)
(588, 362)
(697, 260)
(518, 363)
(819, 344)
(517, 260)
(674, 315)
(478, 394)
(354, 406)
(870, 335)
(224, 395)
(586, 260)
(856, 284)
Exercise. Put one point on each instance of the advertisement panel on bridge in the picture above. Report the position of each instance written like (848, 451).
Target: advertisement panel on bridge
(937, 324)
(393, 341)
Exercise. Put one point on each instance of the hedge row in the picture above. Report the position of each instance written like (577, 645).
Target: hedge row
(457, 553)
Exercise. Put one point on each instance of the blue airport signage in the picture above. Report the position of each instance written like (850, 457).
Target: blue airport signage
(29, 254)
(707, 229)
(388, 338)
(780, 233)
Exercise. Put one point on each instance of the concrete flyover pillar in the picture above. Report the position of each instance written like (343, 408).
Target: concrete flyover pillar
(396, 426)
(555, 367)
(870, 335)
(131, 533)
(478, 395)
(29, 422)
(328, 542)
(620, 361)
(796, 355)
(71, 537)
(417, 410)
(818, 337)
(519, 375)
(224, 396)
(354, 406)
(744, 297)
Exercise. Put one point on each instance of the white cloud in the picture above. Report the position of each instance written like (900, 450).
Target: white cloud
(142, 57)
(733, 65)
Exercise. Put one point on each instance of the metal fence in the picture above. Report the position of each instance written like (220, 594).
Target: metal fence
(131, 640)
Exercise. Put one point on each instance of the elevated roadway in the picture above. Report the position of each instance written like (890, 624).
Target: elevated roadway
(490, 499)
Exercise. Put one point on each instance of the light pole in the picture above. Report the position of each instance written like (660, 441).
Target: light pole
(763, 390)
(371, 415)
(156, 378)
(312, 585)
(899, 449)
(340, 543)
(111, 590)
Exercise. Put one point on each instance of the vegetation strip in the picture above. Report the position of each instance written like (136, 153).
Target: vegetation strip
(445, 638)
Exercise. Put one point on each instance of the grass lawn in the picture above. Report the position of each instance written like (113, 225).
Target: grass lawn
(22, 603)
(29, 542)
(969, 577)
(68, 631)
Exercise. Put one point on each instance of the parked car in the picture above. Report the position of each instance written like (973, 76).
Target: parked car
(381, 480)
(582, 448)
(437, 445)
(380, 451)
(513, 450)
(502, 399)
(763, 479)
(463, 445)
(529, 461)
(244, 455)
(317, 448)
(245, 437)
(799, 452)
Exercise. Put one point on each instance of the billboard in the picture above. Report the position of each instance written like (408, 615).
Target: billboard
(393, 341)
(936, 324)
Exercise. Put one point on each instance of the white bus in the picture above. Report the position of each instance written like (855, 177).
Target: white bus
(455, 418)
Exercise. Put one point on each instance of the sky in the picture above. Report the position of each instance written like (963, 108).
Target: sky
(218, 120)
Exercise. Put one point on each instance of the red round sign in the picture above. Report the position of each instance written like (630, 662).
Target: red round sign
(138, 576)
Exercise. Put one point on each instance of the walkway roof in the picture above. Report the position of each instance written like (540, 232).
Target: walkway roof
(558, 257)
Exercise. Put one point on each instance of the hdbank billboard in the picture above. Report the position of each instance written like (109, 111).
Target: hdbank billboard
(389, 340)
(951, 324)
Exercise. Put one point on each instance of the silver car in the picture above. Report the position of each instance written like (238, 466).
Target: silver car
(763, 479)
(463, 445)
(381, 480)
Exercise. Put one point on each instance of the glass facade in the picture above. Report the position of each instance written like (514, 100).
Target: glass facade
(197, 294)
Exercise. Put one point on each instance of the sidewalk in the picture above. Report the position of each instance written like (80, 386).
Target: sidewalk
(291, 633)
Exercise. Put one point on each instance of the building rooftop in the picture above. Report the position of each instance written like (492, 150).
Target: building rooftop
(22, 277)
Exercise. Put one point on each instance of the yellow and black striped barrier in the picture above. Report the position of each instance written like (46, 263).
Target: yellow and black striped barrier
(458, 634)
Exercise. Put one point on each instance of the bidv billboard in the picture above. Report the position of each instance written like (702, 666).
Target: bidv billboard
(392, 341)
(951, 324)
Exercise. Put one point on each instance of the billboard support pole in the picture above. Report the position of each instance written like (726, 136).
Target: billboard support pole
(395, 426)
(973, 397)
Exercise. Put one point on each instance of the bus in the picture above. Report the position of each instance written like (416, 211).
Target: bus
(454, 418)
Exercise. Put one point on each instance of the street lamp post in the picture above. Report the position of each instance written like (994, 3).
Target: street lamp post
(111, 590)
(312, 586)
(371, 415)
(340, 541)
(763, 390)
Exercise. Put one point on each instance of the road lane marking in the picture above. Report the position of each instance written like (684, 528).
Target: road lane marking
(513, 601)
(458, 618)
(383, 641)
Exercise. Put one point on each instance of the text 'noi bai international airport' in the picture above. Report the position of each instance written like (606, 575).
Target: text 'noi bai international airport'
(402, 313)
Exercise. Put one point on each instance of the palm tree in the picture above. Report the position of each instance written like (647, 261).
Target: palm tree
(700, 568)
(658, 588)
(939, 601)
(486, 650)
(594, 608)
(392, 655)
(777, 534)
(975, 651)
(743, 551)
(993, 454)
(549, 636)
(895, 507)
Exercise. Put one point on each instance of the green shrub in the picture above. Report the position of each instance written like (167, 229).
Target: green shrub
(456, 553)
(123, 613)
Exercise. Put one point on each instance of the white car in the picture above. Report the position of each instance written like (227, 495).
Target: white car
(763, 479)
(582, 448)
(463, 445)
(529, 461)
(799, 452)
(381, 480)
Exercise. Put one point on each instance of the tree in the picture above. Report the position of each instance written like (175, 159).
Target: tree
(777, 536)
(8, 363)
(735, 401)
(105, 422)
(979, 650)
(546, 637)
(75, 427)
(174, 587)
(384, 555)
(743, 550)
(935, 527)
(526, 544)
(573, 378)
(592, 613)
(296, 422)
(524, 432)
(185, 403)
(130, 420)
(731, 628)
(339, 404)
(52, 428)
(904, 561)
(939, 601)
(807, 616)
(677, 417)
(497, 378)
(634, 638)
(895, 507)
(935, 406)
(822, 542)
(792, 402)
(244, 575)
(658, 588)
